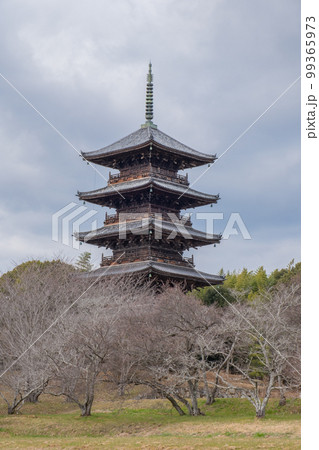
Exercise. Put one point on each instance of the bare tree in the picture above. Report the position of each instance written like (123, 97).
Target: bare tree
(79, 358)
(87, 342)
(221, 350)
(266, 337)
(167, 338)
(64, 334)
(31, 296)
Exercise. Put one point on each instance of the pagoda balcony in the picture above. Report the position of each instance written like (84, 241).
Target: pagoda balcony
(115, 218)
(189, 260)
(135, 257)
(111, 218)
(118, 178)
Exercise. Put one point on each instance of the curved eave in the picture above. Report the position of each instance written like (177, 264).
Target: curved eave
(141, 139)
(161, 230)
(105, 241)
(165, 270)
(192, 274)
(120, 189)
(107, 159)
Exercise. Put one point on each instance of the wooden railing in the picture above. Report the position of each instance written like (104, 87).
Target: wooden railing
(111, 218)
(118, 178)
(114, 218)
(189, 260)
(136, 256)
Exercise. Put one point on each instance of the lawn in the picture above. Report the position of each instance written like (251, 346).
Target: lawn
(150, 424)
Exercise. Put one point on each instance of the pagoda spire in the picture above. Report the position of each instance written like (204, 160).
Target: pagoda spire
(149, 100)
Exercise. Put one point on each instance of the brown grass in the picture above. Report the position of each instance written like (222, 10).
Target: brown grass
(148, 424)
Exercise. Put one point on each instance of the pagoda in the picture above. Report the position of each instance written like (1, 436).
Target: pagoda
(148, 234)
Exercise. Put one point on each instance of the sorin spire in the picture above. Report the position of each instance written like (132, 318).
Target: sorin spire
(149, 99)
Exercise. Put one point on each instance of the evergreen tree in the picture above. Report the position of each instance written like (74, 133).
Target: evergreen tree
(83, 263)
(218, 295)
(244, 281)
(259, 283)
(231, 279)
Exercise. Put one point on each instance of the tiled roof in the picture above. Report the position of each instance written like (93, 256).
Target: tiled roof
(142, 225)
(164, 269)
(144, 136)
(127, 186)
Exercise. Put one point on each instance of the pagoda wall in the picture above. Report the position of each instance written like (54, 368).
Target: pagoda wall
(145, 171)
(146, 252)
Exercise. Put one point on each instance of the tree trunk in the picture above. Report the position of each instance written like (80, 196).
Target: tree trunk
(121, 389)
(89, 396)
(228, 366)
(260, 413)
(15, 406)
(261, 408)
(210, 398)
(175, 404)
(11, 409)
(214, 391)
(283, 399)
(208, 395)
(122, 383)
(206, 389)
(186, 403)
(34, 396)
(212, 395)
(193, 395)
(87, 406)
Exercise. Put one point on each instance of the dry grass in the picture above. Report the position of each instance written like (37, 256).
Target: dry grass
(149, 424)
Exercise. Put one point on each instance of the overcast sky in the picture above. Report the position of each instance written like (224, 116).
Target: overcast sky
(218, 65)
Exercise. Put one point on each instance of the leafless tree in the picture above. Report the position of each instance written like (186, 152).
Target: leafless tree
(65, 334)
(79, 358)
(87, 345)
(168, 336)
(30, 298)
(266, 337)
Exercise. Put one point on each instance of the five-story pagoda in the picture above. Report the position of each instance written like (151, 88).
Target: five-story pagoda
(147, 233)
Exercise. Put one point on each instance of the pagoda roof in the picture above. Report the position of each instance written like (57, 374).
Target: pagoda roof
(182, 273)
(141, 183)
(143, 225)
(141, 138)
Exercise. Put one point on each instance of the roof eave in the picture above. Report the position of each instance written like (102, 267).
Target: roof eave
(162, 269)
(99, 158)
(99, 239)
(92, 195)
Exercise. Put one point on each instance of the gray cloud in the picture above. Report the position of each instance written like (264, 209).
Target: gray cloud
(218, 65)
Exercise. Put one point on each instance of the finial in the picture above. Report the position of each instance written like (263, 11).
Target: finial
(149, 99)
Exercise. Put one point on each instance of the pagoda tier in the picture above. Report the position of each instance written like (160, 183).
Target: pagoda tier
(152, 145)
(159, 273)
(177, 233)
(147, 233)
(143, 240)
(128, 195)
(148, 239)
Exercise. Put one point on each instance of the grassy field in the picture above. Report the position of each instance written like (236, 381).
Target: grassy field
(150, 424)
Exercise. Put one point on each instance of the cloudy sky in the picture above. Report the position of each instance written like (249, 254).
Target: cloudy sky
(218, 65)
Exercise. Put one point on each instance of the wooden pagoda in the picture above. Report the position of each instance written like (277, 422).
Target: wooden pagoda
(147, 234)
